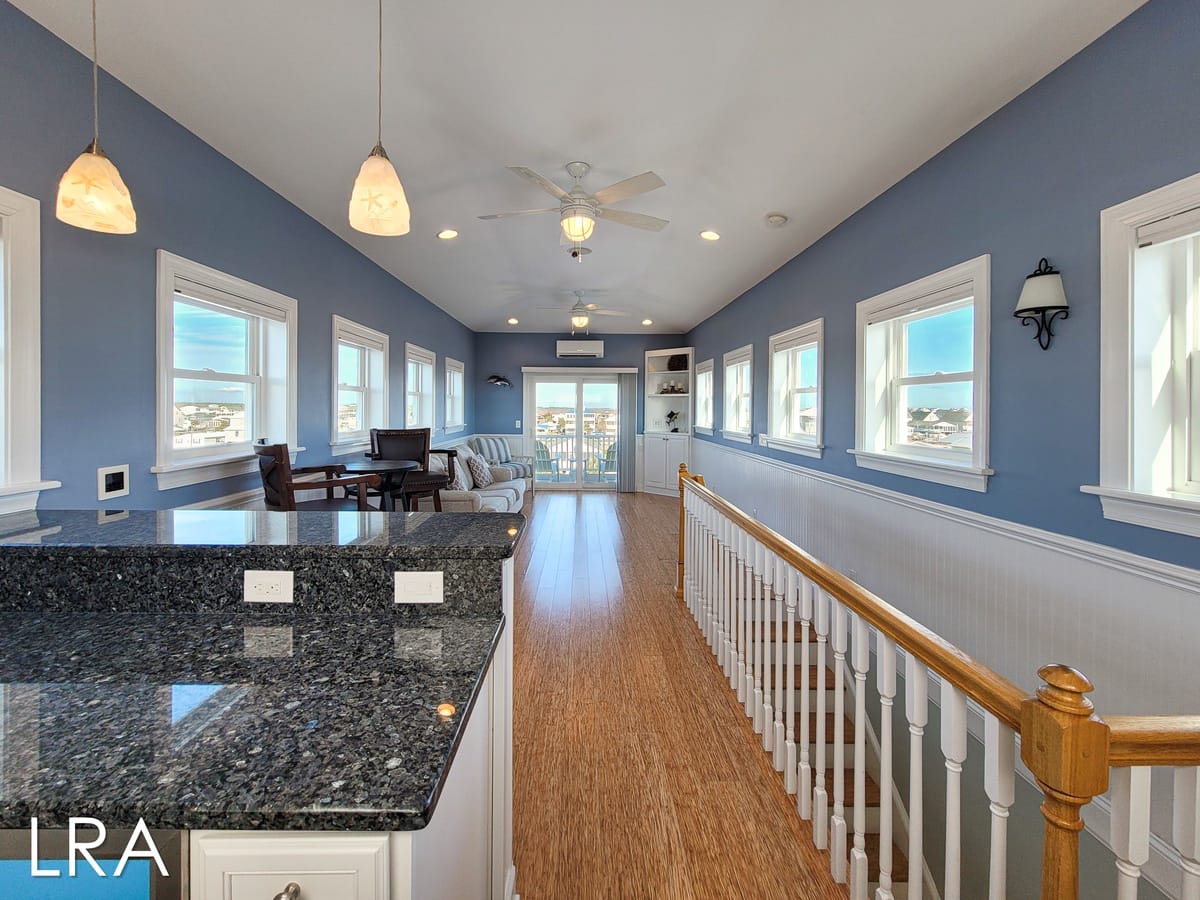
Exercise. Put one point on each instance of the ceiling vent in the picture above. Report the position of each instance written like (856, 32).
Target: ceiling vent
(581, 349)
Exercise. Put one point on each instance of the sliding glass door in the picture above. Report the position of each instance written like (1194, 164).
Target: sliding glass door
(576, 423)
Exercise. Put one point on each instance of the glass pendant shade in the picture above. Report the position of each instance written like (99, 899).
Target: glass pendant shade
(92, 195)
(377, 203)
(577, 225)
(579, 321)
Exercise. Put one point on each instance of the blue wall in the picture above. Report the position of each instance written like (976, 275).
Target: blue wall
(98, 291)
(504, 353)
(1113, 122)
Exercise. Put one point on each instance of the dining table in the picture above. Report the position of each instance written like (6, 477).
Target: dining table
(391, 472)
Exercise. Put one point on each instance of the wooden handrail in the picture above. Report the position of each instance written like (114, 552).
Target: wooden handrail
(989, 689)
(1153, 740)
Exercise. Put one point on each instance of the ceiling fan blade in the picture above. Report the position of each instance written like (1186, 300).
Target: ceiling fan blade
(539, 181)
(630, 187)
(637, 220)
(607, 312)
(520, 212)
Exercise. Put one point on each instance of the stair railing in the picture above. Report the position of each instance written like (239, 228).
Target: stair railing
(735, 575)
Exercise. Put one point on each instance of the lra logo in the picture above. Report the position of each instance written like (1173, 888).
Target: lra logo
(79, 848)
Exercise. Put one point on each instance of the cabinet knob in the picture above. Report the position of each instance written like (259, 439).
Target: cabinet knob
(291, 892)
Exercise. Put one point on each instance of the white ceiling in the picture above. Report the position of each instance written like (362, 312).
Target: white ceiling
(810, 108)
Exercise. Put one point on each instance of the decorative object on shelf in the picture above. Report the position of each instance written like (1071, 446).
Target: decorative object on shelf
(677, 362)
(1042, 301)
(672, 416)
(91, 193)
(672, 387)
(499, 381)
(377, 203)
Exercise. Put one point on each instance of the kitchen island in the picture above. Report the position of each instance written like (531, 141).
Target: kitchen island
(351, 742)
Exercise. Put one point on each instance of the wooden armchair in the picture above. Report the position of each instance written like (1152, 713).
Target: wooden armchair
(280, 485)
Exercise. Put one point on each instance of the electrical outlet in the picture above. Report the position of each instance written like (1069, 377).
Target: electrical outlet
(518, 425)
(419, 587)
(267, 587)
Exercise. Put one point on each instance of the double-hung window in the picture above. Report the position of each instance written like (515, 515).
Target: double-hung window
(360, 367)
(419, 366)
(456, 415)
(921, 394)
(1150, 360)
(226, 374)
(739, 367)
(20, 346)
(794, 421)
(704, 397)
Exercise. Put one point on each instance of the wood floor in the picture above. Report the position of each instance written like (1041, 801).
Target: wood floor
(636, 773)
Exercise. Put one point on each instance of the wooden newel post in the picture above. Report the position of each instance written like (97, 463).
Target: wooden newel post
(1065, 746)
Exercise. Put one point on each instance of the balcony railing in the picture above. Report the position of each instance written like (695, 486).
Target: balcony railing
(557, 458)
(772, 614)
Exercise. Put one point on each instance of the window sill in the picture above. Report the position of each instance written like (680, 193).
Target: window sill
(816, 451)
(198, 471)
(700, 429)
(1166, 512)
(740, 436)
(23, 495)
(967, 477)
(456, 429)
(343, 448)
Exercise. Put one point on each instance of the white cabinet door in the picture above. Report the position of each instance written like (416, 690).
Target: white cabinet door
(240, 865)
(676, 453)
(654, 449)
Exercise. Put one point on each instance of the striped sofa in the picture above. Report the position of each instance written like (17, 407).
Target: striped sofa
(498, 452)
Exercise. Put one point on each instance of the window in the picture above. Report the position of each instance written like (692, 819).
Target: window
(418, 385)
(360, 367)
(794, 421)
(456, 415)
(921, 396)
(704, 397)
(20, 346)
(227, 372)
(1150, 360)
(738, 392)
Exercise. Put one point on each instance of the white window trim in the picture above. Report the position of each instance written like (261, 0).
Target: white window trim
(733, 358)
(972, 475)
(706, 366)
(1166, 511)
(368, 339)
(454, 365)
(22, 295)
(171, 268)
(809, 333)
(415, 353)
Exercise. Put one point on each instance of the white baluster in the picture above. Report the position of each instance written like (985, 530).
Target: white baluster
(789, 740)
(954, 749)
(999, 761)
(780, 653)
(751, 581)
(860, 659)
(710, 594)
(756, 697)
(820, 810)
(1129, 826)
(730, 584)
(838, 822)
(916, 708)
(738, 680)
(768, 708)
(701, 561)
(804, 788)
(1185, 829)
(885, 680)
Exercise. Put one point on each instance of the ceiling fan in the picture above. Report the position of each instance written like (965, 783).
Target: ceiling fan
(581, 313)
(578, 210)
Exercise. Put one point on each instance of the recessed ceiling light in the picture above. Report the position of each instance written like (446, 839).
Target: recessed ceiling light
(647, 321)
(710, 235)
(776, 219)
(448, 234)
(513, 321)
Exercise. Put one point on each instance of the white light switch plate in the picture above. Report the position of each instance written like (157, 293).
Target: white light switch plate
(419, 587)
(267, 587)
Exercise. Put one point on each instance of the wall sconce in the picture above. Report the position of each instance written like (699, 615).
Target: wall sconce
(1042, 301)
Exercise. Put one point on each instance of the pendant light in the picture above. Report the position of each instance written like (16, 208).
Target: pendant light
(91, 193)
(377, 203)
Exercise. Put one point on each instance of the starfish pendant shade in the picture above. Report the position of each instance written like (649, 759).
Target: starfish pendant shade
(92, 195)
(377, 203)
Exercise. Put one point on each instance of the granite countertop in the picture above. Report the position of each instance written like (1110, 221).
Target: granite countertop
(224, 721)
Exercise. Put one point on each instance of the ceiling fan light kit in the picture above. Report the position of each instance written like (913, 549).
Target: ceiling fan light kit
(378, 204)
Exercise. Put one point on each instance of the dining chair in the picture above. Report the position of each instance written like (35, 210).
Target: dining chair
(280, 485)
(414, 444)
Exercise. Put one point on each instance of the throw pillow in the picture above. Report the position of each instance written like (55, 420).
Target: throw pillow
(481, 474)
(462, 477)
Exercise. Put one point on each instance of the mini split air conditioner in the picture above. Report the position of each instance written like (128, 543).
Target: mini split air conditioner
(581, 349)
